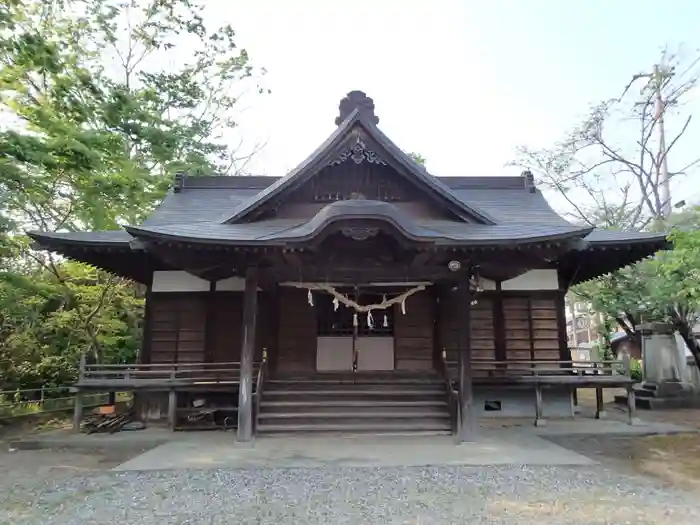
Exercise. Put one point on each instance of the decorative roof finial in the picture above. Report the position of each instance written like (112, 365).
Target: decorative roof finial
(179, 182)
(529, 181)
(357, 100)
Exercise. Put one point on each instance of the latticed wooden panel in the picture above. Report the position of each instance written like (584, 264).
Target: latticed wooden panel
(177, 328)
(531, 328)
(482, 330)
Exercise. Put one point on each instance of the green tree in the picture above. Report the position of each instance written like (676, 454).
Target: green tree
(418, 158)
(663, 288)
(103, 101)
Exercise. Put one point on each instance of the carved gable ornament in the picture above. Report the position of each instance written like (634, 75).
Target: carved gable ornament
(360, 233)
(358, 153)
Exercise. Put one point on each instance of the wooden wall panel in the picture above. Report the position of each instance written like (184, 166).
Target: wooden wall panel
(482, 332)
(531, 327)
(228, 325)
(227, 332)
(413, 333)
(177, 328)
(296, 346)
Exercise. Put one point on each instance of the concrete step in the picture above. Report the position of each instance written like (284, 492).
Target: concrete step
(439, 426)
(387, 409)
(355, 403)
(345, 396)
(333, 415)
(331, 385)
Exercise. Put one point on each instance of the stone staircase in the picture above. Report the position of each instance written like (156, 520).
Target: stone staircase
(353, 403)
(650, 396)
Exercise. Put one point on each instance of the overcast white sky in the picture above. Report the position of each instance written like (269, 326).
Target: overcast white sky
(463, 82)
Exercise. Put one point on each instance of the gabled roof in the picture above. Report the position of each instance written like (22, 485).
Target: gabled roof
(216, 210)
(333, 146)
(436, 231)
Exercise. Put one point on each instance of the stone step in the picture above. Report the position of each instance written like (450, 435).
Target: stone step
(333, 415)
(343, 396)
(387, 427)
(354, 392)
(353, 408)
(354, 403)
(272, 386)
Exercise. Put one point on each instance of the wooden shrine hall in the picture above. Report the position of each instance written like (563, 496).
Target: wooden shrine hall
(358, 293)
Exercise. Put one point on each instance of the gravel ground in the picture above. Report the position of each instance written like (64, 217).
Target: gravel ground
(446, 495)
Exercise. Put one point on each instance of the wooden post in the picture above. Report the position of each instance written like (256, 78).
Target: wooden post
(78, 399)
(631, 405)
(172, 402)
(539, 419)
(466, 421)
(77, 410)
(599, 408)
(245, 387)
(172, 409)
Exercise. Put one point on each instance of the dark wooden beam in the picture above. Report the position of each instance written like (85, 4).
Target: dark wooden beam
(466, 420)
(564, 352)
(210, 323)
(146, 337)
(275, 321)
(499, 324)
(357, 275)
(245, 389)
(435, 293)
(421, 258)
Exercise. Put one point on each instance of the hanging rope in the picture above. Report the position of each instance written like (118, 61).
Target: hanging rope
(366, 308)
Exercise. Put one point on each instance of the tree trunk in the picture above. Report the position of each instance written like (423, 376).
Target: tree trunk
(686, 332)
(627, 323)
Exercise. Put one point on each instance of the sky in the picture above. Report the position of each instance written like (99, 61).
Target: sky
(462, 82)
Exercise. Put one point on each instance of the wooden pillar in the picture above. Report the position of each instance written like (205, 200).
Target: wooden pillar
(245, 387)
(172, 409)
(77, 410)
(437, 325)
(599, 406)
(631, 405)
(210, 324)
(466, 420)
(78, 399)
(540, 421)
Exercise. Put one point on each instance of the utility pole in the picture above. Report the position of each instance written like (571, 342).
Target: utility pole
(657, 79)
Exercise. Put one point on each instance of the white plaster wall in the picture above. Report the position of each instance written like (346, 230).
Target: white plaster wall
(533, 280)
(487, 284)
(178, 281)
(232, 284)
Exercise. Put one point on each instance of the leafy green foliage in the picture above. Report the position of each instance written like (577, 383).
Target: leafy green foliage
(418, 158)
(102, 101)
(664, 288)
(47, 324)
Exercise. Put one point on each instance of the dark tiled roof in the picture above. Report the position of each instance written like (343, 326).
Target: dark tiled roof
(356, 119)
(600, 237)
(286, 230)
(196, 212)
(105, 238)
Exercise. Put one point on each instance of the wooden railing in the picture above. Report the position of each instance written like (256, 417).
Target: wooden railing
(518, 368)
(154, 374)
(260, 384)
(452, 395)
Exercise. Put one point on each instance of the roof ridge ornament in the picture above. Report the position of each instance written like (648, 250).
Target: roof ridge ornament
(356, 100)
(358, 153)
(179, 182)
(529, 181)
